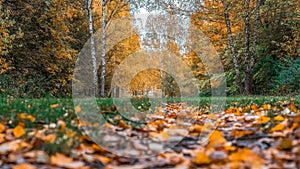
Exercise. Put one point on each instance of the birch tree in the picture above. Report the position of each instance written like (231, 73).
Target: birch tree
(93, 48)
(248, 77)
(232, 47)
(103, 51)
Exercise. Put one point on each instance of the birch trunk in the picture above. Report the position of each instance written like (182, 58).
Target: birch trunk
(93, 49)
(232, 48)
(248, 58)
(103, 51)
(253, 52)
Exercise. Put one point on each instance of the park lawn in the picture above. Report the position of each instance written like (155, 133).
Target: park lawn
(50, 126)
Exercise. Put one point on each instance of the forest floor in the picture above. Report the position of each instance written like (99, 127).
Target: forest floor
(251, 132)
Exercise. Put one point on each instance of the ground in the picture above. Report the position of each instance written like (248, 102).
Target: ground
(253, 132)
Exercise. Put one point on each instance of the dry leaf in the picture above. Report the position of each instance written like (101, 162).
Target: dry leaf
(285, 144)
(278, 118)
(24, 166)
(49, 138)
(278, 127)
(52, 106)
(216, 139)
(247, 155)
(202, 158)
(2, 128)
(263, 119)
(266, 106)
(19, 131)
(63, 161)
(241, 133)
(77, 109)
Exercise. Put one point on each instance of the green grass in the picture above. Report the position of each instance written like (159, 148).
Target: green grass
(42, 111)
(50, 110)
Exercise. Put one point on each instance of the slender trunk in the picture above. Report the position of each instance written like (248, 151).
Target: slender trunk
(253, 52)
(161, 78)
(103, 52)
(247, 49)
(232, 48)
(93, 49)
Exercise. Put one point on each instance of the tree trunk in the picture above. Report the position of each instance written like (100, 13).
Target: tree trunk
(232, 48)
(253, 52)
(93, 49)
(248, 71)
(103, 52)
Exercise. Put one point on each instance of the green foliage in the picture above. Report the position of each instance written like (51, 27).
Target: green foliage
(288, 79)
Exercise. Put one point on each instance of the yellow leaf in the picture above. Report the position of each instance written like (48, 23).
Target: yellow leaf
(22, 116)
(50, 138)
(278, 127)
(2, 128)
(77, 109)
(263, 119)
(266, 106)
(241, 133)
(19, 131)
(254, 107)
(216, 139)
(202, 158)
(247, 155)
(52, 106)
(31, 118)
(165, 135)
(63, 161)
(293, 107)
(24, 166)
(278, 118)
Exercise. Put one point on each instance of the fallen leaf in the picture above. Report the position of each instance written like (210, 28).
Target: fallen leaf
(2, 128)
(266, 106)
(202, 158)
(49, 138)
(24, 166)
(77, 109)
(285, 144)
(263, 119)
(241, 133)
(278, 118)
(19, 131)
(52, 106)
(63, 161)
(278, 127)
(247, 155)
(216, 139)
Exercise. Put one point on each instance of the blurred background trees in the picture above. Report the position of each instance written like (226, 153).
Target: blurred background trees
(40, 41)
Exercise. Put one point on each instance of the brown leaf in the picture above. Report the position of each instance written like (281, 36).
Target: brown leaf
(285, 144)
(63, 161)
(24, 166)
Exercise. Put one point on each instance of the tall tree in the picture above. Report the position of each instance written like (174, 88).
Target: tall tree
(103, 51)
(248, 76)
(232, 46)
(93, 48)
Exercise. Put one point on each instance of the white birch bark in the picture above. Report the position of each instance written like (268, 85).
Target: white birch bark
(103, 51)
(93, 49)
(232, 48)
